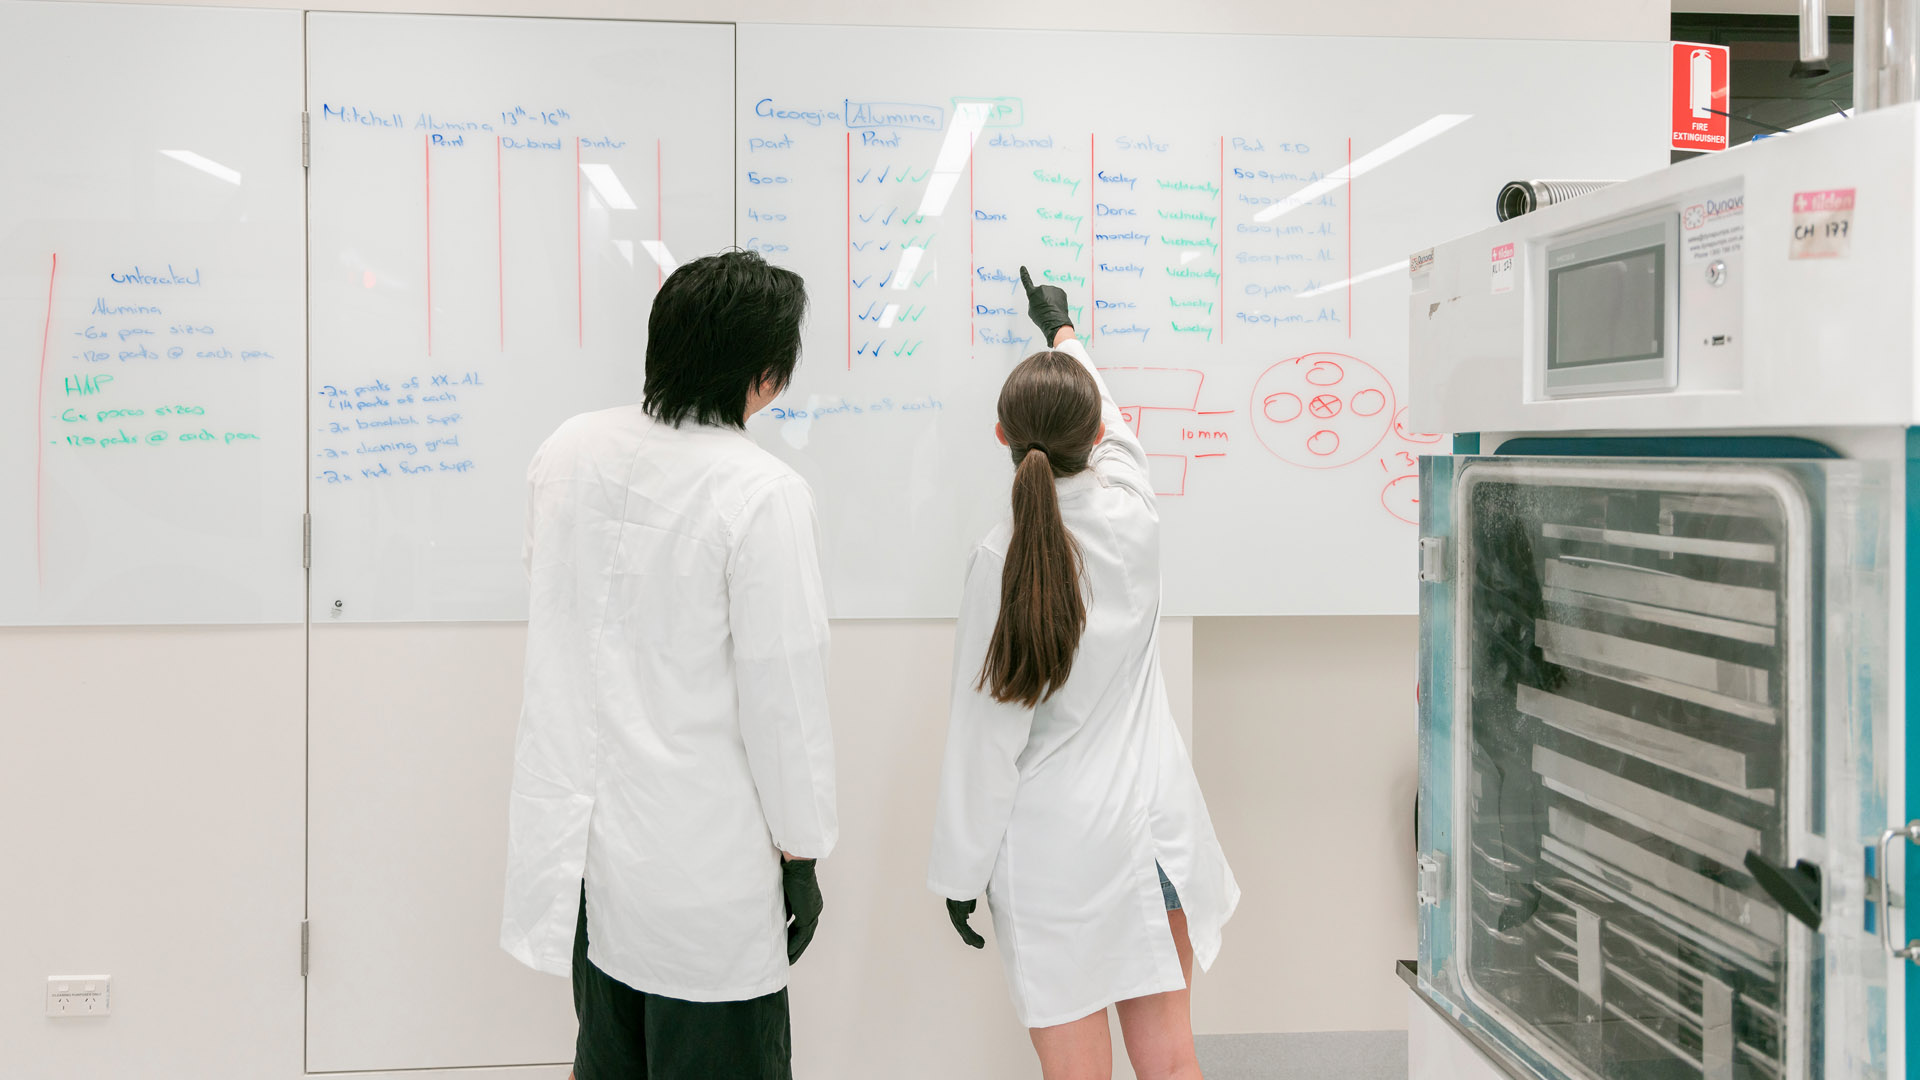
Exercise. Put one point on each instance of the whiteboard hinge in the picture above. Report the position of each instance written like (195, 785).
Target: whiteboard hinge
(306, 938)
(306, 144)
(306, 541)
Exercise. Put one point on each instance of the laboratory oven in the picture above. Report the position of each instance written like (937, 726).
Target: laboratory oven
(1664, 602)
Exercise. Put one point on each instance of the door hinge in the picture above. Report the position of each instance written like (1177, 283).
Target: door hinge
(306, 939)
(1431, 882)
(306, 142)
(1433, 558)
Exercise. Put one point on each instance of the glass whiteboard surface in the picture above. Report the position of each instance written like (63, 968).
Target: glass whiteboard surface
(151, 318)
(1232, 218)
(494, 203)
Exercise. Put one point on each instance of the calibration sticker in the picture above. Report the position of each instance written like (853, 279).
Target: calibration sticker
(1503, 268)
(1714, 227)
(1822, 224)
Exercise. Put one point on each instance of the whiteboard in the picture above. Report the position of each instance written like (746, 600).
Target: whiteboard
(1244, 285)
(494, 203)
(152, 352)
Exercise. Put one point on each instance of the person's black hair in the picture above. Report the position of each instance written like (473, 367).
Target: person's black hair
(721, 325)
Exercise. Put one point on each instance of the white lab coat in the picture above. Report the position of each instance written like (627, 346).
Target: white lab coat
(673, 734)
(1058, 813)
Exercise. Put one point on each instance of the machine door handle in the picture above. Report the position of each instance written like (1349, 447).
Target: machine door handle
(1911, 950)
(1796, 889)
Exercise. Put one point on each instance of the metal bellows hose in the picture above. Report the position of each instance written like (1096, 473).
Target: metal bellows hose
(1525, 196)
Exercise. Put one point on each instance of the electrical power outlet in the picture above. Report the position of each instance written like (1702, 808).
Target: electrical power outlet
(78, 995)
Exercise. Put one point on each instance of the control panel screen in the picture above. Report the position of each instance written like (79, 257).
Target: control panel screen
(1607, 311)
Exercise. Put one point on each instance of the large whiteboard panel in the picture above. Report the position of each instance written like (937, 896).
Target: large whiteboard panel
(494, 203)
(1142, 172)
(152, 350)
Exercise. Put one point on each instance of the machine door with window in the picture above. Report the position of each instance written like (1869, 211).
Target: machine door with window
(1652, 713)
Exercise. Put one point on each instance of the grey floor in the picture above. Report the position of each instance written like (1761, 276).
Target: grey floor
(1318, 1055)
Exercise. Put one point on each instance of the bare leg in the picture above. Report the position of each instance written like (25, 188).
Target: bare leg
(1078, 1050)
(1158, 1028)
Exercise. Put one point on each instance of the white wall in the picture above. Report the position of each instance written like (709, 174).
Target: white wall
(1588, 20)
(185, 883)
(150, 789)
(1304, 744)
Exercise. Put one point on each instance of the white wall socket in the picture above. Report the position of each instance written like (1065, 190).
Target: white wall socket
(78, 995)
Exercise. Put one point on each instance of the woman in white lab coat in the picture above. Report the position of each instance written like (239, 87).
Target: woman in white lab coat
(1065, 782)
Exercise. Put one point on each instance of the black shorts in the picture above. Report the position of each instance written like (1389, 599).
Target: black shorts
(629, 1035)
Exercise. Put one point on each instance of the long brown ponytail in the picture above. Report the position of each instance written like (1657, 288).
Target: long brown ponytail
(1050, 416)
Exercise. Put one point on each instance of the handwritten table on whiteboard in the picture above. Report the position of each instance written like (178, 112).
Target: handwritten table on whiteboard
(494, 204)
(1231, 217)
(152, 331)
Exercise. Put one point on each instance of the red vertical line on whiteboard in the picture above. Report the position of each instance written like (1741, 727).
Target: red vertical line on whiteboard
(1222, 283)
(659, 216)
(40, 436)
(426, 157)
(500, 238)
(849, 251)
(1093, 291)
(579, 260)
(1349, 236)
(973, 262)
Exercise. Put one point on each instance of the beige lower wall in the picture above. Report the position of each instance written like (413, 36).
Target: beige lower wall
(151, 829)
(183, 877)
(1304, 743)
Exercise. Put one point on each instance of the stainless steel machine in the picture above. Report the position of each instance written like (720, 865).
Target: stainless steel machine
(1666, 585)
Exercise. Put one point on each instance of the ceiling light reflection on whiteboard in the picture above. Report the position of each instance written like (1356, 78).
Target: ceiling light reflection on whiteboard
(968, 118)
(886, 316)
(909, 262)
(1366, 163)
(939, 192)
(1399, 264)
(657, 251)
(955, 150)
(611, 191)
(204, 164)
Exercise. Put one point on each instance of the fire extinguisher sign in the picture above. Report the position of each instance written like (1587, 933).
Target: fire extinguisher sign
(1699, 96)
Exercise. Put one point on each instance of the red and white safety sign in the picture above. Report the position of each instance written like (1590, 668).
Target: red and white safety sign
(1699, 96)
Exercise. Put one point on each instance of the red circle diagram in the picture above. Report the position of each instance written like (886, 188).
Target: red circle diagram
(1281, 408)
(1401, 498)
(1322, 410)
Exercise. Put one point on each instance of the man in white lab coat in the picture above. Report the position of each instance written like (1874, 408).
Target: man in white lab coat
(673, 774)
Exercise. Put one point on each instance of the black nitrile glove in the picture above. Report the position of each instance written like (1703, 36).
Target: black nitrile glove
(803, 904)
(1046, 306)
(959, 910)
